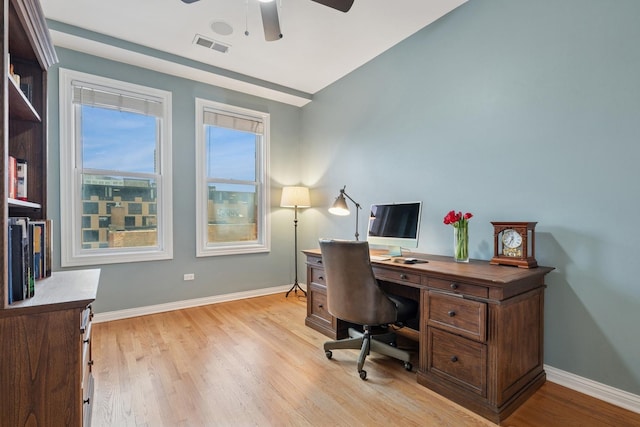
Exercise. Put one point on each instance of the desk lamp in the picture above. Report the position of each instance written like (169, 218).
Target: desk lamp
(295, 197)
(341, 208)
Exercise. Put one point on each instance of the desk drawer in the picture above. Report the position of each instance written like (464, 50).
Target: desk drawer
(459, 316)
(458, 360)
(396, 276)
(459, 288)
(317, 304)
(317, 276)
(86, 385)
(314, 261)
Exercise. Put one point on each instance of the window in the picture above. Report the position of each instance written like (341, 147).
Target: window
(232, 149)
(115, 166)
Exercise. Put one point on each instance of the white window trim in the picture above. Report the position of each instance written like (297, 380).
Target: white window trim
(71, 250)
(264, 231)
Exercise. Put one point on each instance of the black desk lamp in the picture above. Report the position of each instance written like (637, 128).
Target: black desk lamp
(295, 197)
(341, 208)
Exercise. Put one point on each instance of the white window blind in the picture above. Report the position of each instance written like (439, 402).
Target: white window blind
(245, 124)
(95, 96)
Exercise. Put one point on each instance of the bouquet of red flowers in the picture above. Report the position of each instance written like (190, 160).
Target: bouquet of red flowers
(460, 235)
(456, 219)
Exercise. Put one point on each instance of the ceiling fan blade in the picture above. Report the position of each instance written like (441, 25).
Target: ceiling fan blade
(270, 21)
(189, 1)
(341, 5)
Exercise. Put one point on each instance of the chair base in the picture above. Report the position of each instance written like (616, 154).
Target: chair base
(367, 342)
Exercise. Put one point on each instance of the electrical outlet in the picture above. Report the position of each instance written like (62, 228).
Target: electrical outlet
(189, 276)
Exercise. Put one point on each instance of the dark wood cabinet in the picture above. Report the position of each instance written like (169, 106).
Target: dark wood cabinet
(480, 330)
(45, 374)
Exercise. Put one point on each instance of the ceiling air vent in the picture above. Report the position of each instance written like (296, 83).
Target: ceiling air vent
(210, 44)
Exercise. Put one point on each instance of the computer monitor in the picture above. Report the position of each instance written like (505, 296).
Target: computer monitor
(396, 225)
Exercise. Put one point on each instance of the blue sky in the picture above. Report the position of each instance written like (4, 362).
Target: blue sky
(117, 140)
(234, 154)
(123, 141)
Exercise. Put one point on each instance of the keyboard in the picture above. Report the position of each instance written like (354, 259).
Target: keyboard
(380, 257)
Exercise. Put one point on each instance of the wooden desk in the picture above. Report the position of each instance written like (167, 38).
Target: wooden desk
(480, 329)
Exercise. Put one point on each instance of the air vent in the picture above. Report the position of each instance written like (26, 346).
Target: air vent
(210, 44)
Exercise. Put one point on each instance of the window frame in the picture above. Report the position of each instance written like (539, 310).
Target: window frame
(263, 242)
(72, 253)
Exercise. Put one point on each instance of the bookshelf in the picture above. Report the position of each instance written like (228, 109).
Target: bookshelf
(29, 52)
(45, 340)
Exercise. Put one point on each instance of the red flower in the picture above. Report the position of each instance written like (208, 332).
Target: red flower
(453, 218)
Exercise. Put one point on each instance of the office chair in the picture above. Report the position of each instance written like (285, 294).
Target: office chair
(353, 295)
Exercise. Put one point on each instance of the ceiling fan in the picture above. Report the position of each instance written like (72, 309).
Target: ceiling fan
(271, 23)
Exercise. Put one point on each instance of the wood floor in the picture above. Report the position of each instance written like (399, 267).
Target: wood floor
(254, 363)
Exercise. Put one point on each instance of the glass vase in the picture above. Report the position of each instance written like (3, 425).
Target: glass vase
(461, 242)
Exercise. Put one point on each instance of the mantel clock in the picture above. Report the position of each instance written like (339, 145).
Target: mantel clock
(514, 244)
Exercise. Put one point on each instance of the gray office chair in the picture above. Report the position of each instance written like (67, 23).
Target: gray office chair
(353, 295)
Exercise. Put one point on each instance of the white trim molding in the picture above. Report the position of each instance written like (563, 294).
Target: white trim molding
(179, 305)
(72, 170)
(595, 389)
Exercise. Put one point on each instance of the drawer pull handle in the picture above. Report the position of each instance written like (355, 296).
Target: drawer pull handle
(321, 277)
(454, 359)
(454, 286)
(320, 306)
(86, 341)
(404, 277)
(319, 261)
(90, 363)
(86, 401)
(451, 313)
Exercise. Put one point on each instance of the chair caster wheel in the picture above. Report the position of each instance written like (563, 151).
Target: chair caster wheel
(363, 375)
(328, 353)
(408, 366)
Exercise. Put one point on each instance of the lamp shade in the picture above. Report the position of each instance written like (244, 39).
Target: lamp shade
(295, 197)
(340, 206)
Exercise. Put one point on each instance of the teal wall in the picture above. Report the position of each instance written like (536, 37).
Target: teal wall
(133, 285)
(514, 110)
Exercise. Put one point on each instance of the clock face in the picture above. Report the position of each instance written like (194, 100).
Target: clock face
(512, 242)
(511, 239)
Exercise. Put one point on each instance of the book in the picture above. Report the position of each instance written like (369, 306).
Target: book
(18, 228)
(40, 260)
(48, 245)
(29, 260)
(9, 265)
(21, 173)
(12, 177)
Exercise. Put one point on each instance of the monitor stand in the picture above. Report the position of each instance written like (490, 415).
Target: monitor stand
(395, 251)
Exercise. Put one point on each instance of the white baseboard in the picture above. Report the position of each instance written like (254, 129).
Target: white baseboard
(178, 305)
(595, 389)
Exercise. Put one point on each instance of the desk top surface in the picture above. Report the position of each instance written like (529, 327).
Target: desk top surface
(439, 265)
(61, 291)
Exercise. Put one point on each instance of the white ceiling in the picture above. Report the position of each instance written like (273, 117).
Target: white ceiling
(320, 44)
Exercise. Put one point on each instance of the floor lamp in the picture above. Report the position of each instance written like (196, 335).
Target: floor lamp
(341, 208)
(295, 197)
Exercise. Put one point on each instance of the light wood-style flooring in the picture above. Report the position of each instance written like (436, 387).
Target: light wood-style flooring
(254, 363)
